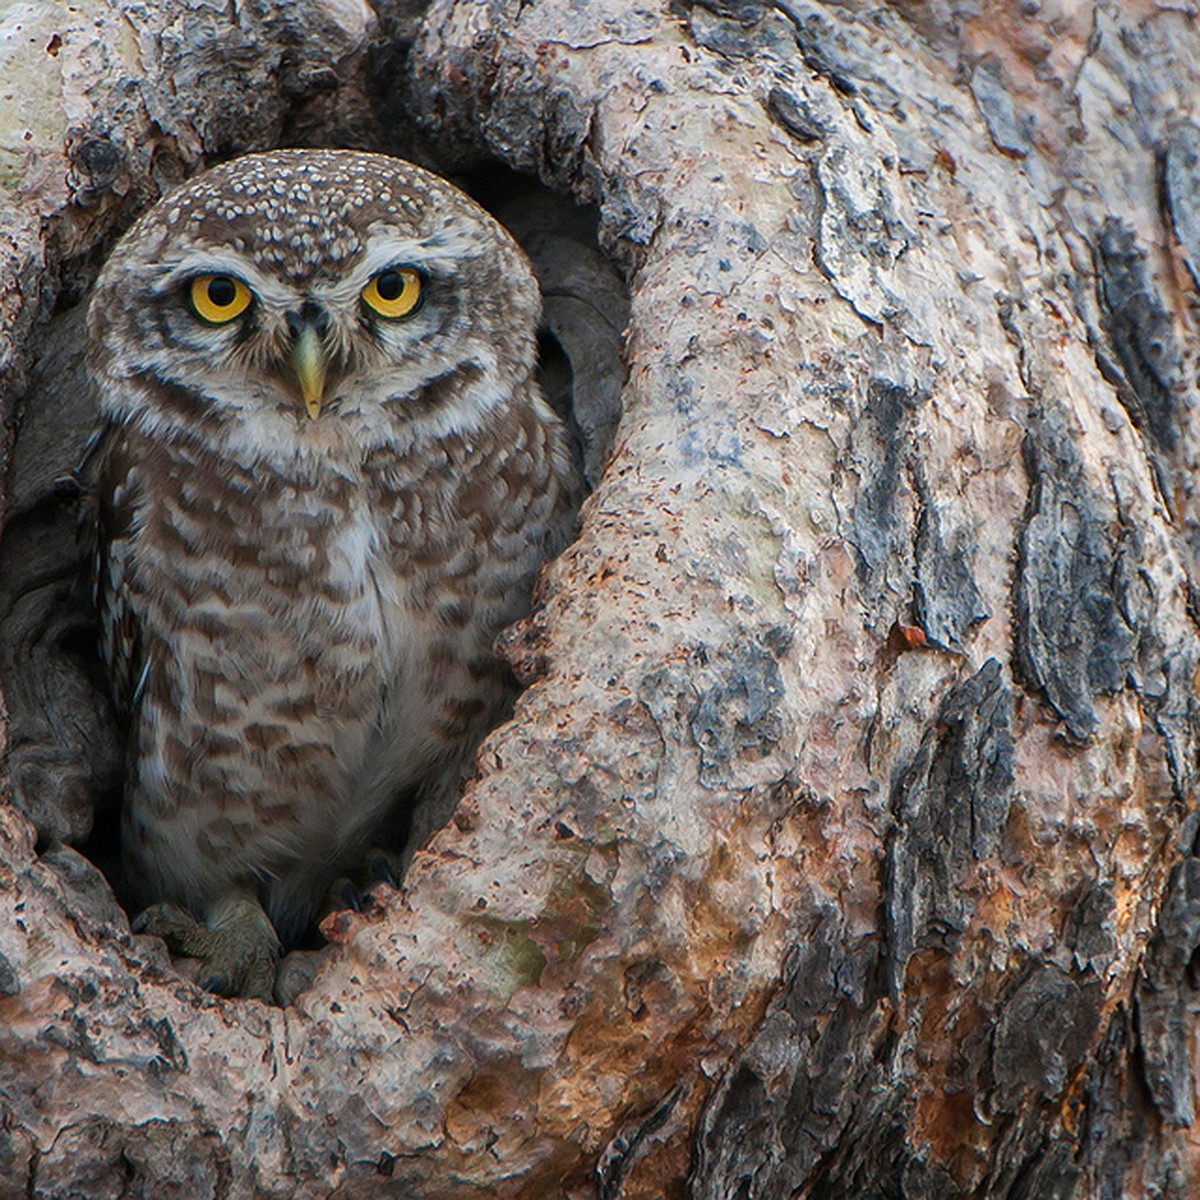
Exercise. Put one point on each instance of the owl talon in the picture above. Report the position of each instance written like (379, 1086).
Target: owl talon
(217, 983)
(343, 894)
(382, 867)
(239, 957)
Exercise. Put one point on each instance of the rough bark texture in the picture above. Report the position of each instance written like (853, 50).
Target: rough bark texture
(841, 843)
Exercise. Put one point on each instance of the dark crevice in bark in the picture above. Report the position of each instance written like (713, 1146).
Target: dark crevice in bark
(585, 304)
(633, 1141)
(1116, 1118)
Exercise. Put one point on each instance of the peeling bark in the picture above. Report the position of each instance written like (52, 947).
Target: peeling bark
(842, 840)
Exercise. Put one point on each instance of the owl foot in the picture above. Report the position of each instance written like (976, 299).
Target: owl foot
(238, 954)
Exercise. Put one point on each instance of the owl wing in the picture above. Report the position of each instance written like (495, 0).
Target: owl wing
(119, 492)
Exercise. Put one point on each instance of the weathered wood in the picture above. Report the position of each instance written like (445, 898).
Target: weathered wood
(841, 841)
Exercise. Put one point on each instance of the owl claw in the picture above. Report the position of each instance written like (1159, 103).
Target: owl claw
(216, 982)
(238, 958)
(343, 894)
(382, 867)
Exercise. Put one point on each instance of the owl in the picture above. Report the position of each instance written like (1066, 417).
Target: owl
(326, 480)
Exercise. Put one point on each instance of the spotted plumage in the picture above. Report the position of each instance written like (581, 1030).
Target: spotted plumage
(326, 482)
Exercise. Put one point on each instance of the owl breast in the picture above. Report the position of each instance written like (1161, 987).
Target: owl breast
(312, 647)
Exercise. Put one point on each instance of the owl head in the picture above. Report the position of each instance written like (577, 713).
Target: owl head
(295, 293)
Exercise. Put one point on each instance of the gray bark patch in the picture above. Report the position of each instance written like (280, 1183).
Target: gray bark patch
(824, 45)
(10, 980)
(1168, 1002)
(1141, 333)
(946, 602)
(738, 713)
(951, 804)
(1043, 1030)
(789, 1097)
(1181, 193)
(1074, 640)
(879, 531)
(993, 97)
(861, 237)
(795, 114)
(1089, 931)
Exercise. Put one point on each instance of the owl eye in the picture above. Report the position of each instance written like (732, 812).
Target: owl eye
(393, 293)
(218, 298)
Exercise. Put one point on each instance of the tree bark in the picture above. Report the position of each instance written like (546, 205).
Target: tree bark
(842, 842)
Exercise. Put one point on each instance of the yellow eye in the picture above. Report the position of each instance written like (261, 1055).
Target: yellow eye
(219, 298)
(393, 293)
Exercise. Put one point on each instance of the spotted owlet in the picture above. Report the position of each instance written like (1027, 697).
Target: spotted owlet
(326, 480)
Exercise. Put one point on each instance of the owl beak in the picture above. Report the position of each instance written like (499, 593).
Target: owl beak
(310, 365)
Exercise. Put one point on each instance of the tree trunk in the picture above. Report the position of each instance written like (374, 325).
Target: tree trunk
(841, 843)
